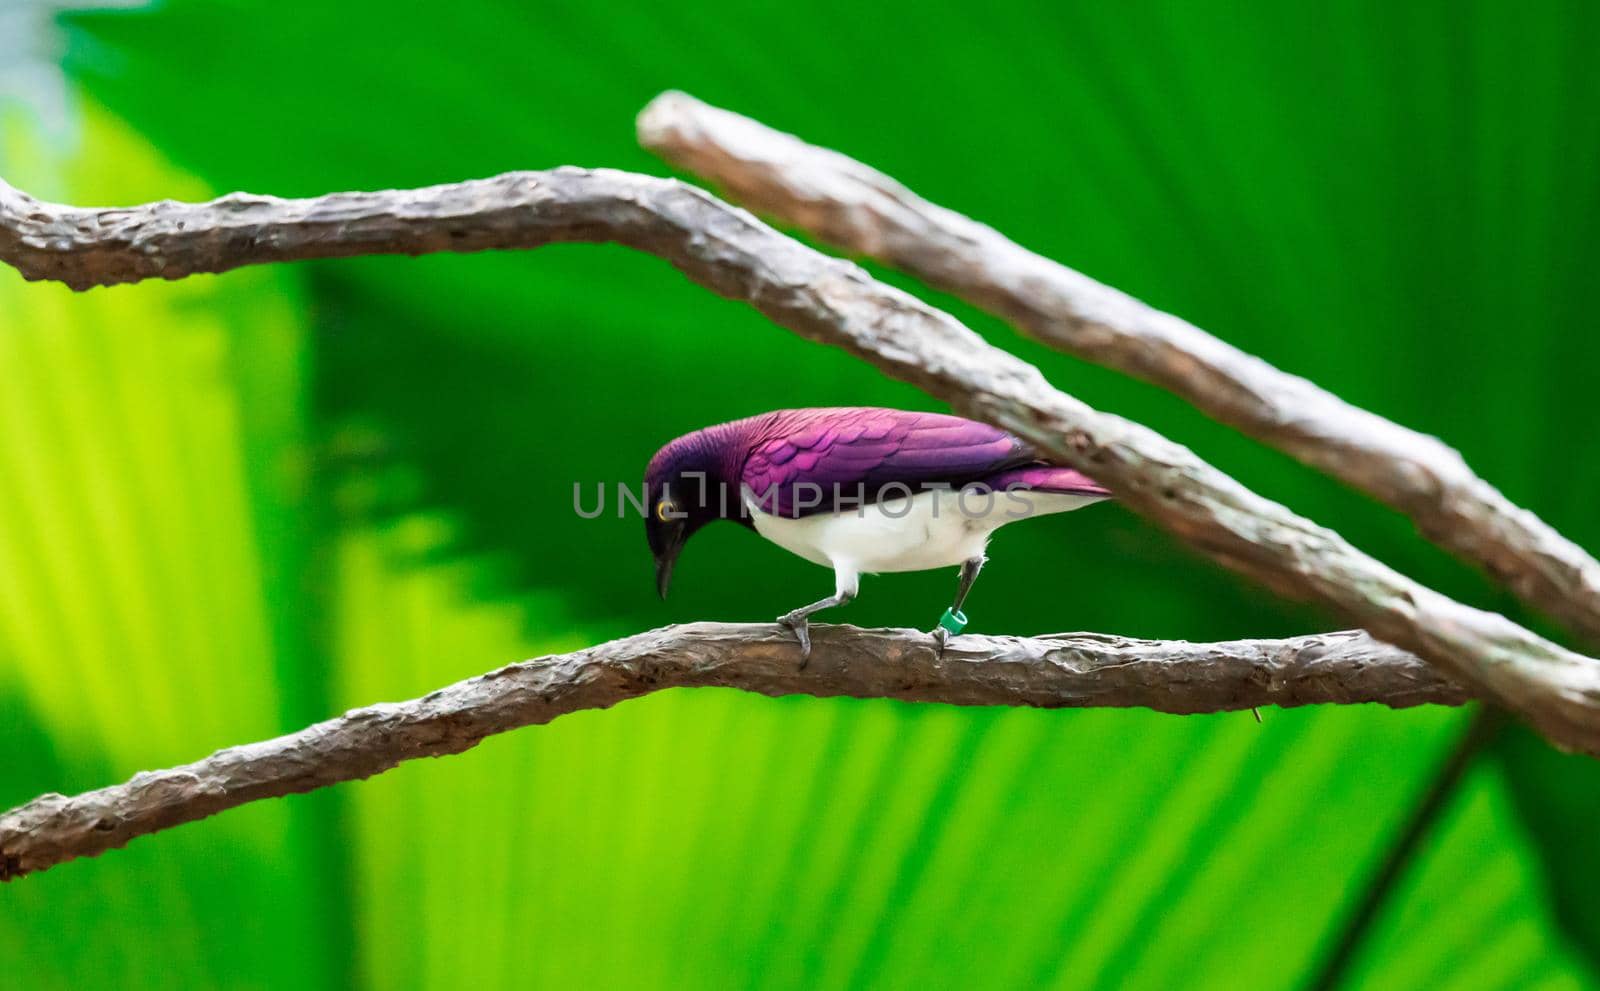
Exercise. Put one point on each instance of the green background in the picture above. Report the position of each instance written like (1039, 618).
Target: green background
(233, 505)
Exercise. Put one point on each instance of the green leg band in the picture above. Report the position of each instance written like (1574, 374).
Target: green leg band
(953, 620)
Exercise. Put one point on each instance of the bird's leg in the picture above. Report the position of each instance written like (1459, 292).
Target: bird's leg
(969, 574)
(846, 582)
(799, 621)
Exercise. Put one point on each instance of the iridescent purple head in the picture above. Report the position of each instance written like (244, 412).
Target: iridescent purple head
(689, 483)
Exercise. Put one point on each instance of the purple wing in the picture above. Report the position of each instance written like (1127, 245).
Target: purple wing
(822, 460)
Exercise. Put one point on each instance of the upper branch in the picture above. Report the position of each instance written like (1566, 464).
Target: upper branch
(1056, 671)
(833, 301)
(856, 208)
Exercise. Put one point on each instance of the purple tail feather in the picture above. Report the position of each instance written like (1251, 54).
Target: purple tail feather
(1046, 478)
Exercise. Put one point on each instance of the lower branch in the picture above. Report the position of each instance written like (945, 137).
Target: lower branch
(1077, 669)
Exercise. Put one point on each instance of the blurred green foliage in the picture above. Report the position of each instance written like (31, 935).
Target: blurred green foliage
(232, 505)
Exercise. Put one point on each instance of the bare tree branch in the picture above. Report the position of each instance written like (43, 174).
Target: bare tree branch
(1050, 672)
(860, 210)
(833, 301)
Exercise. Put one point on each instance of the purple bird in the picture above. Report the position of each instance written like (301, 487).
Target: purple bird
(857, 489)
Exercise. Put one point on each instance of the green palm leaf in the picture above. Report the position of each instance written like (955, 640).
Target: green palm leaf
(1358, 196)
(135, 629)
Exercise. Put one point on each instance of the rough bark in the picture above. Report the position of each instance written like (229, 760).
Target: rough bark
(832, 301)
(860, 210)
(1049, 672)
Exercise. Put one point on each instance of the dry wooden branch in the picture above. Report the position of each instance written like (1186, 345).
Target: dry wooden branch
(1055, 671)
(860, 210)
(833, 301)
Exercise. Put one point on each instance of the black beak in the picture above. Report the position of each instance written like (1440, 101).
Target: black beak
(664, 570)
(672, 540)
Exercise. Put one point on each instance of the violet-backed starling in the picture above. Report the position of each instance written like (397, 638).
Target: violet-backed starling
(857, 489)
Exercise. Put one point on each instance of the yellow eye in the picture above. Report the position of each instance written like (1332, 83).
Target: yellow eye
(665, 510)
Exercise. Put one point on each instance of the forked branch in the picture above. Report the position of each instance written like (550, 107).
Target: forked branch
(862, 211)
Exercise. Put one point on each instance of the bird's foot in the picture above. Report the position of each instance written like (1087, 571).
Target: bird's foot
(800, 623)
(952, 622)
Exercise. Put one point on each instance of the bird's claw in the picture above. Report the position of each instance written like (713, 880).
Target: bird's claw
(798, 622)
(941, 637)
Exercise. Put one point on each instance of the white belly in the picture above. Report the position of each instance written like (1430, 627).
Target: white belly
(928, 530)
